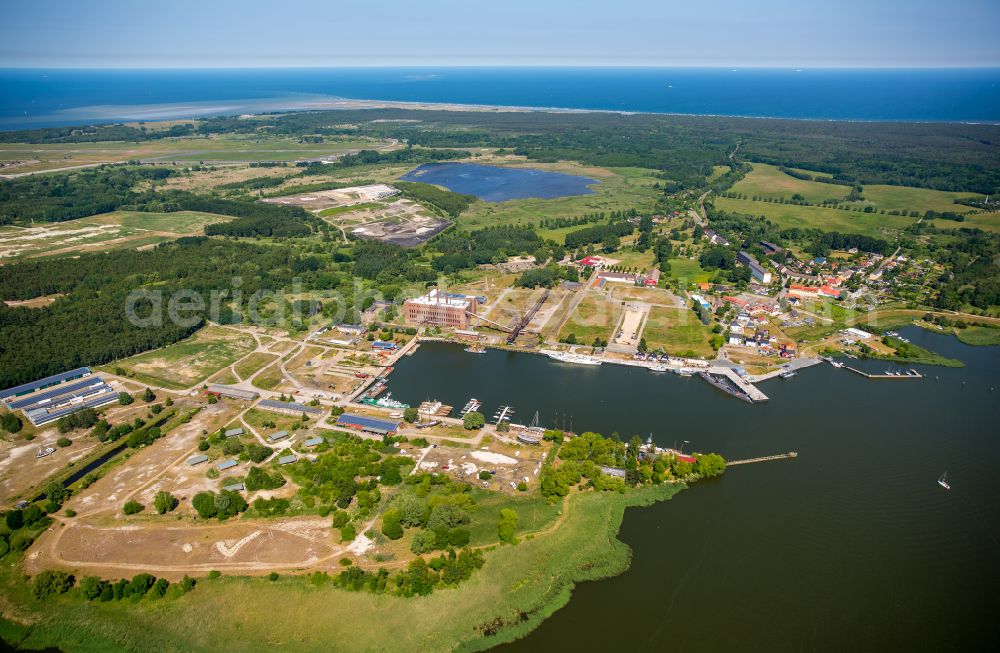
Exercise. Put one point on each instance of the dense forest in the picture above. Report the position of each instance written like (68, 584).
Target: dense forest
(371, 157)
(951, 156)
(959, 157)
(89, 325)
(599, 234)
(59, 197)
(74, 195)
(493, 245)
(95, 134)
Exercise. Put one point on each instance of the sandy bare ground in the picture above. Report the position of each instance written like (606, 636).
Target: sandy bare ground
(100, 540)
(20, 470)
(178, 548)
(630, 329)
(36, 302)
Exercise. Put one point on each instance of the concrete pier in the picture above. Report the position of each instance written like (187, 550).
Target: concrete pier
(750, 390)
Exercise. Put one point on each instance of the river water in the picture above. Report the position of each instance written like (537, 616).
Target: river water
(851, 546)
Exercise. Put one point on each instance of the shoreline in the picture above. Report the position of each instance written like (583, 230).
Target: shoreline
(180, 110)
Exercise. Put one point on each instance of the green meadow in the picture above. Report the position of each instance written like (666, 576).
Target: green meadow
(817, 217)
(518, 588)
(626, 188)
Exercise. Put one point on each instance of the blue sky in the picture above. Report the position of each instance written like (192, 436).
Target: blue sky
(253, 33)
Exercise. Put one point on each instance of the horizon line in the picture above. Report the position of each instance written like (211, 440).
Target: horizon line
(734, 67)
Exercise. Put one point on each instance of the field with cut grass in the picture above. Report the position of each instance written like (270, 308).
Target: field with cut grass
(517, 588)
(677, 331)
(595, 317)
(818, 217)
(98, 233)
(632, 259)
(688, 271)
(987, 221)
(907, 198)
(189, 362)
(768, 181)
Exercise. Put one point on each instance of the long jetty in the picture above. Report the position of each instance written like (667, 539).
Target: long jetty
(912, 374)
(763, 459)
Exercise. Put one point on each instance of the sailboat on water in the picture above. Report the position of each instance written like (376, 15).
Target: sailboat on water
(943, 481)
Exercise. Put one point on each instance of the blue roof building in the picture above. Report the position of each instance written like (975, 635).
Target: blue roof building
(47, 382)
(367, 424)
(289, 407)
(63, 389)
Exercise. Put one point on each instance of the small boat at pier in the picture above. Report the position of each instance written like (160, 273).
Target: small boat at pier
(472, 406)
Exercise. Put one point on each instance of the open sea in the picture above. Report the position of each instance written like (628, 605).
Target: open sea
(31, 98)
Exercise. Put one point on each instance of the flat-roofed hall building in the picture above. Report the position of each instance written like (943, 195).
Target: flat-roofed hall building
(48, 399)
(440, 309)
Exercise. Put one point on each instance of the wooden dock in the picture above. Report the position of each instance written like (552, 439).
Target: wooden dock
(763, 459)
(912, 374)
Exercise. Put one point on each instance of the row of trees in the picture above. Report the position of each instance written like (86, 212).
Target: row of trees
(54, 582)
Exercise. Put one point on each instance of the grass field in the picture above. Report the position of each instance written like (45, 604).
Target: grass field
(595, 316)
(767, 181)
(907, 198)
(116, 230)
(718, 171)
(189, 362)
(988, 221)
(978, 335)
(227, 148)
(534, 513)
(677, 331)
(817, 217)
(269, 378)
(617, 189)
(648, 295)
(246, 367)
(517, 588)
(256, 418)
(633, 259)
(688, 271)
